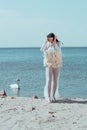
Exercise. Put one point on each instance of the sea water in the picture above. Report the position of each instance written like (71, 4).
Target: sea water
(26, 64)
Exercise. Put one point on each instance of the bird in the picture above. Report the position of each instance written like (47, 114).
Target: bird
(15, 86)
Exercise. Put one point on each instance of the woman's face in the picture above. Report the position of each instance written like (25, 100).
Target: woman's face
(50, 39)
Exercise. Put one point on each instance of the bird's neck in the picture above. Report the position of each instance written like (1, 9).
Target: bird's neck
(18, 83)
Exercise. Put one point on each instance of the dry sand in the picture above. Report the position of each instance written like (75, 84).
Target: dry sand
(21, 113)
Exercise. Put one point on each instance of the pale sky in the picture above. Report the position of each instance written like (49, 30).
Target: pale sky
(25, 23)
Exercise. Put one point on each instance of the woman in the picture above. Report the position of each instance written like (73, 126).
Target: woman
(53, 63)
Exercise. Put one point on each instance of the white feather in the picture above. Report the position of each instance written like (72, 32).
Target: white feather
(14, 86)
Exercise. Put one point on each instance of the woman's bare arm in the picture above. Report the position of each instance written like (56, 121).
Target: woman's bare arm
(44, 46)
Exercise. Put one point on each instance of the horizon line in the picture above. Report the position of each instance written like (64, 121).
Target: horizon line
(37, 47)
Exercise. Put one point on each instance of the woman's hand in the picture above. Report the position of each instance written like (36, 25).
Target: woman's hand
(55, 39)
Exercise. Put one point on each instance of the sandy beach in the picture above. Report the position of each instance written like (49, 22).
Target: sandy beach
(24, 113)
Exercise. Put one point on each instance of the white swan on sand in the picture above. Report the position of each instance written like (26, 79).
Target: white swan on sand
(15, 86)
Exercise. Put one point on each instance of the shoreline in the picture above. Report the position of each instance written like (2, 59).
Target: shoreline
(26, 113)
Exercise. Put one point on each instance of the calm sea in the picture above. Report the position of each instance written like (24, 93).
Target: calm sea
(26, 64)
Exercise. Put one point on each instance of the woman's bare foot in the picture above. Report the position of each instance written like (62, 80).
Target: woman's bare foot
(48, 100)
(53, 99)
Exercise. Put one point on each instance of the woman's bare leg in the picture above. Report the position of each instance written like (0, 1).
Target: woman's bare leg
(55, 79)
(48, 80)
